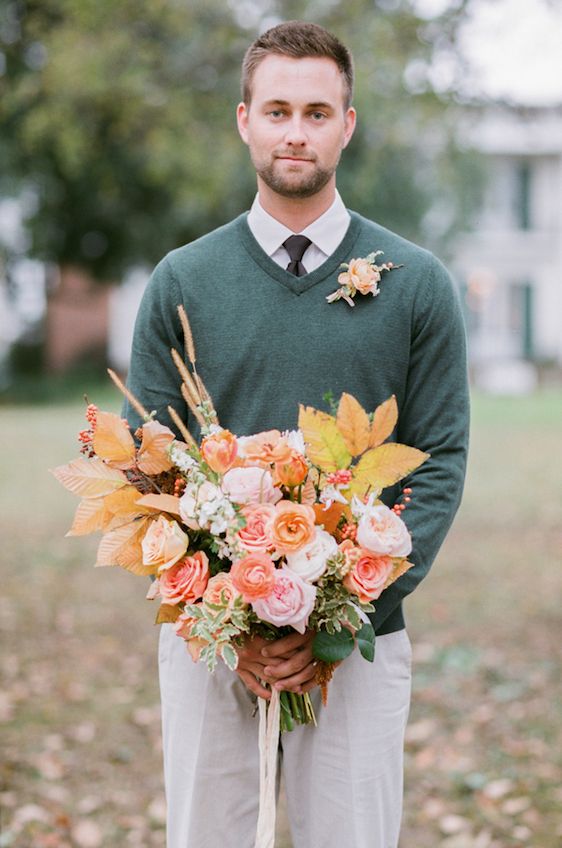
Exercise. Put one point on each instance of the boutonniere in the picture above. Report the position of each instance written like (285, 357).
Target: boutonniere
(360, 275)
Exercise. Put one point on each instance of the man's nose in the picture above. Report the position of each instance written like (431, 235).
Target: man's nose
(295, 133)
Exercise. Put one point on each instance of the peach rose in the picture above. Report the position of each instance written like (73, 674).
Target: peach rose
(289, 603)
(267, 447)
(186, 580)
(253, 536)
(360, 275)
(367, 573)
(220, 586)
(250, 485)
(383, 532)
(293, 471)
(291, 527)
(220, 450)
(253, 576)
(163, 544)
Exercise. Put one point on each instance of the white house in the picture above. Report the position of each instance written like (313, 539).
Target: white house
(510, 264)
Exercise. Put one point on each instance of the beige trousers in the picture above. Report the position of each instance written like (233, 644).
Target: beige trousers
(343, 779)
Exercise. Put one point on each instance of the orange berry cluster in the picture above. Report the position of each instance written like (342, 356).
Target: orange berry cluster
(348, 531)
(399, 508)
(179, 486)
(87, 436)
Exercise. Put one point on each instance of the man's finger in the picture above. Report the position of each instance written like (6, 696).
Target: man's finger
(253, 684)
(289, 667)
(282, 646)
(294, 683)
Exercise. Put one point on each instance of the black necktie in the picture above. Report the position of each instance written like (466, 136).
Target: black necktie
(295, 247)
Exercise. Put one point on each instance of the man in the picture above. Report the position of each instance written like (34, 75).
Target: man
(268, 339)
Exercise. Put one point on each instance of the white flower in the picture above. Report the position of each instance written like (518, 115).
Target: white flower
(295, 439)
(329, 494)
(383, 532)
(310, 562)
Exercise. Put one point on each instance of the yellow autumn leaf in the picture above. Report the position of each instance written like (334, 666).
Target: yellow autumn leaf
(167, 614)
(89, 478)
(383, 466)
(384, 422)
(325, 444)
(88, 517)
(399, 567)
(153, 454)
(123, 506)
(122, 547)
(113, 441)
(353, 424)
(163, 503)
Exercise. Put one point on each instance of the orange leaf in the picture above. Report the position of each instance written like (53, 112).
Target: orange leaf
(113, 441)
(163, 503)
(384, 422)
(325, 445)
(353, 424)
(167, 614)
(329, 517)
(153, 456)
(89, 478)
(122, 506)
(122, 547)
(308, 493)
(383, 466)
(88, 517)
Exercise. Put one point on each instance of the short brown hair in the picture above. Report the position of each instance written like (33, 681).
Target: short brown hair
(299, 40)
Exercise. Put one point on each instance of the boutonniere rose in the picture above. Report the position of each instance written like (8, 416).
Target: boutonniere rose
(361, 275)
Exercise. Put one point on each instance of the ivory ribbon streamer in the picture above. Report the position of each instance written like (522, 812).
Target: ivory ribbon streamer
(269, 745)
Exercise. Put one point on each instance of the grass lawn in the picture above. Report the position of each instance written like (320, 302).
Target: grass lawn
(79, 699)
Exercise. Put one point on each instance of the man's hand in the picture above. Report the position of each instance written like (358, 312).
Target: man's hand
(290, 665)
(252, 664)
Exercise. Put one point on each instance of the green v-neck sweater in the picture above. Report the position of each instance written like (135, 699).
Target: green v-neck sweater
(267, 341)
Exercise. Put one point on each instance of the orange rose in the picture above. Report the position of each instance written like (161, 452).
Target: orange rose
(253, 576)
(293, 471)
(291, 527)
(367, 573)
(267, 447)
(186, 580)
(220, 450)
(220, 586)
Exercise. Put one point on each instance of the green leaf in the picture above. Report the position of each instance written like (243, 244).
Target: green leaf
(229, 655)
(366, 641)
(333, 647)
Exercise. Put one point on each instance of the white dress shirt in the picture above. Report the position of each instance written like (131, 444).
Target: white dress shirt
(325, 233)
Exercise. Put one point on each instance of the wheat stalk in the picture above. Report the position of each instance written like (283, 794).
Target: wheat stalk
(136, 404)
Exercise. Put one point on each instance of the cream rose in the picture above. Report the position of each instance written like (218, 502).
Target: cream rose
(381, 531)
(310, 562)
(250, 485)
(289, 603)
(163, 544)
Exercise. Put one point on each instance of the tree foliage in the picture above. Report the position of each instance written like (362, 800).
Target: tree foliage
(120, 116)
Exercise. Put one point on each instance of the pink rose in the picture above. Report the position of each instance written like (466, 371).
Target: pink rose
(383, 532)
(367, 573)
(253, 537)
(253, 576)
(186, 580)
(250, 485)
(163, 544)
(290, 602)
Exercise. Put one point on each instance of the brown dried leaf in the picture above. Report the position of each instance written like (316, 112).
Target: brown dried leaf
(353, 424)
(113, 441)
(89, 478)
(123, 506)
(384, 422)
(330, 517)
(153, 454)
(122, 547)
(163, 503)
(167, 614)
(89, 517)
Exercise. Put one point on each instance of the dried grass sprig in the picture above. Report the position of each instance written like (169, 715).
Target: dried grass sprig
(187, 334)
(187, 437)
(192, 404)
(136, 404)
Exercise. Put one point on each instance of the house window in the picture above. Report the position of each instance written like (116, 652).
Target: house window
(523, 194)
(520, 317)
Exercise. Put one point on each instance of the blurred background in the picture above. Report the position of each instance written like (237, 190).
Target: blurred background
(117, 144)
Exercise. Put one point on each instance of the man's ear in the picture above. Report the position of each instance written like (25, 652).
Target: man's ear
(242, 121)
(350, 124)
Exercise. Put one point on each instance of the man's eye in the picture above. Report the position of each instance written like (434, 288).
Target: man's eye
(317, 116)
(275, 113)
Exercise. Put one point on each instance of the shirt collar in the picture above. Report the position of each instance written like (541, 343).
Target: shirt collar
(326, 232)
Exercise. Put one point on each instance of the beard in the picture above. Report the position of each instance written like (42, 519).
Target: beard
(295, 186)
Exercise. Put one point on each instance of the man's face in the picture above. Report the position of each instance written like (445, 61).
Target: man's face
(296, 125)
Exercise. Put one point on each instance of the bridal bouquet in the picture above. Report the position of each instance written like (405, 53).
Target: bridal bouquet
(249, 535)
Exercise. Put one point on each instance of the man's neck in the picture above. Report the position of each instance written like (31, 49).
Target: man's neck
(296, 213)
